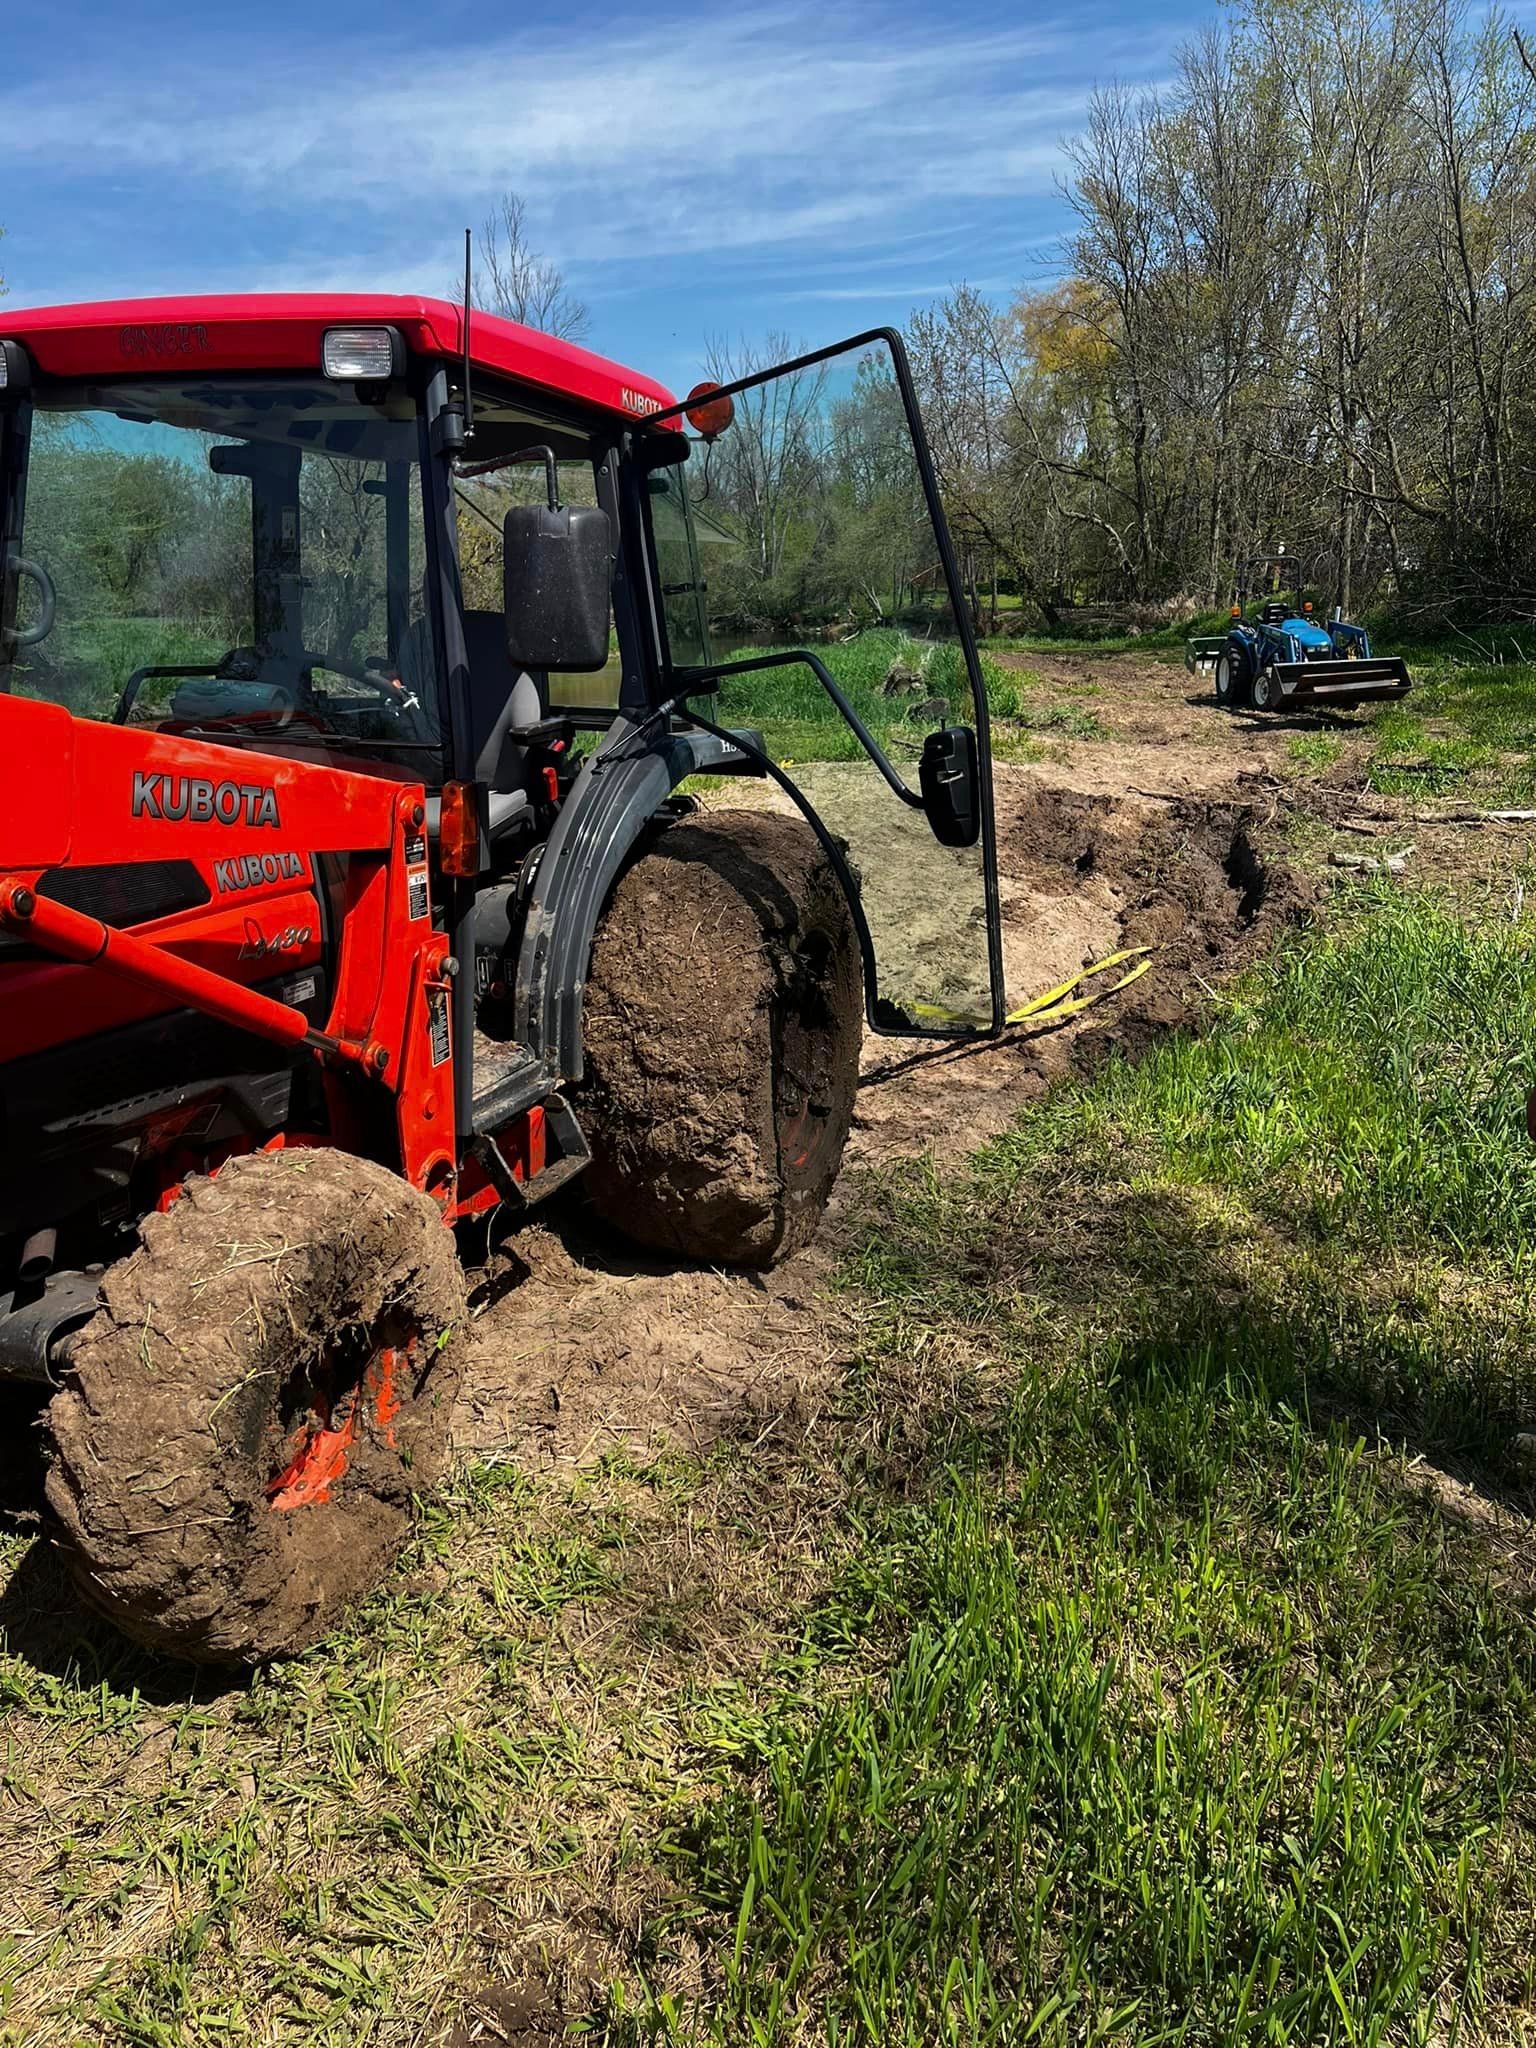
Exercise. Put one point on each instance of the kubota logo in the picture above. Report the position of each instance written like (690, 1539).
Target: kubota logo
(200, 802)
(638, 401)
(248, 870)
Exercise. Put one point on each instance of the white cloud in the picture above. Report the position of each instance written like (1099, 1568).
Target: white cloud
(767, 130)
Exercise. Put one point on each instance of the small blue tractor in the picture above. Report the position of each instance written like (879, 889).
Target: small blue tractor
(1276, 656)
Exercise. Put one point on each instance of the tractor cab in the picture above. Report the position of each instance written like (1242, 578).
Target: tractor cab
(347, 533)
(249, 544)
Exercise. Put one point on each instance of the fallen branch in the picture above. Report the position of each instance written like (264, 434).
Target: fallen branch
(1392, 865)
(1359, 823)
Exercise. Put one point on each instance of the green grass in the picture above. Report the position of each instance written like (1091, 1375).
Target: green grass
(801, 723)
(1095, 1670)
(1131, 1779)
(1314, 753)
(1153, 1705)
(1465, 731)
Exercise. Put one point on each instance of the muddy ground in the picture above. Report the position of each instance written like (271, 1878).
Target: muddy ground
(1177, 831)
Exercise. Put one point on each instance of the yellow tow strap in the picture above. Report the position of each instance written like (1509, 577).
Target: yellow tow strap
(1053, 1007)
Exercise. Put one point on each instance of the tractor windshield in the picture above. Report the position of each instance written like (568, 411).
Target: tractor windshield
(237, 560)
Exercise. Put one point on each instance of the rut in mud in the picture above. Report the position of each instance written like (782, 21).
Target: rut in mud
(583, 1347)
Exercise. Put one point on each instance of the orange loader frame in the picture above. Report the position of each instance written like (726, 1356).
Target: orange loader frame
(91, 793)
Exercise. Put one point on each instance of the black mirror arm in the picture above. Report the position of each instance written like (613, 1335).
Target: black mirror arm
(696, 677)
(464, 470)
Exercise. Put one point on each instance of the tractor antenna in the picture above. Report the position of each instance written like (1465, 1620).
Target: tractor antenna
(469, 398)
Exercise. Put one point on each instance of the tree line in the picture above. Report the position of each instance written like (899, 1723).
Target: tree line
(1298, 307)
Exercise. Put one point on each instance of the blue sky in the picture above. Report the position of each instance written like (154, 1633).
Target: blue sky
(697, 170)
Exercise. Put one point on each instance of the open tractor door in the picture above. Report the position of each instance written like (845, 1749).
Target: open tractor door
(440, 766)
(808, 496)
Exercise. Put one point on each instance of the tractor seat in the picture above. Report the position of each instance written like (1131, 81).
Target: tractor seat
(501, 699)
(1275, 614)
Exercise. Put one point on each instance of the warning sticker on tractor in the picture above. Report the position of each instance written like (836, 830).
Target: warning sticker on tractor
(437, 1024)
(416, 876)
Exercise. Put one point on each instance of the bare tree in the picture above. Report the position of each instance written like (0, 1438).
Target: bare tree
(514, 280)
(769, 469)
(979, 407)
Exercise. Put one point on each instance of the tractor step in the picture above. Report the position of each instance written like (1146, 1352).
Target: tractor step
(1343, 682)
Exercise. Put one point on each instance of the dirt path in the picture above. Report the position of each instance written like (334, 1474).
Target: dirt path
(1147, 837)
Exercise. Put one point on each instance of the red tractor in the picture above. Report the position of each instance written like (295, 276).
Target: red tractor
(343, 904)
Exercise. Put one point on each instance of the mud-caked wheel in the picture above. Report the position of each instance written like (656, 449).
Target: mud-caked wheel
(724, 1016)
(1229, 691)
(269, 1380)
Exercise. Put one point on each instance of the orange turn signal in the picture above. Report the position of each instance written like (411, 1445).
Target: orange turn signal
(458, 832)
(1307, 608)
(707, 413)
(1237, 611)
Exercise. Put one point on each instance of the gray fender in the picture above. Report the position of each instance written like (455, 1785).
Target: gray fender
(617, 793)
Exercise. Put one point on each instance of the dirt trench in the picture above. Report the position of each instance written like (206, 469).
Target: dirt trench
(583, 1346)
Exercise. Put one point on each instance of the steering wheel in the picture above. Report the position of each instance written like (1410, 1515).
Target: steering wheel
(392, 694)
(29, 636)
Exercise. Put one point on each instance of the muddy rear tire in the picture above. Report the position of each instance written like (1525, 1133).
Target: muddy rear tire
(724, 1016)
(269, 1381)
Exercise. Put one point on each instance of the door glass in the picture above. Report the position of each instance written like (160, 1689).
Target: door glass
(808, 528)
(482, 503)
(684, 592)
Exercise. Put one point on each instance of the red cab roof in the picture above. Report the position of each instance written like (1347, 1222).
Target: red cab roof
(281, 331)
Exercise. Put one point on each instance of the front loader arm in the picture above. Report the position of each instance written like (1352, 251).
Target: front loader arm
(86, 794)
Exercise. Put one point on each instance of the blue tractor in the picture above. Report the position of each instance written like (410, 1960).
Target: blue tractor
(1275, 655)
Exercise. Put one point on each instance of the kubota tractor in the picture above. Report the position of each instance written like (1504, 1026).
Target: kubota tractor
(1277, 657)
(354, 656)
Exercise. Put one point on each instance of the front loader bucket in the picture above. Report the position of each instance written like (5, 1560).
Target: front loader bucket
(1343, 682)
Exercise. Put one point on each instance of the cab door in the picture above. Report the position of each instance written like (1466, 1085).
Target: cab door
(808, 593)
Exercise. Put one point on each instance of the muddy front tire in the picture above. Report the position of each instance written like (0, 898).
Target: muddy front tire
(724, 1016)
(270, 1379)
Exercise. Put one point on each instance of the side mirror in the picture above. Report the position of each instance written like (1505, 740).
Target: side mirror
(949, 776)
(557, 576)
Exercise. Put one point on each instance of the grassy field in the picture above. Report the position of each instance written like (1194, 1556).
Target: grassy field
(1110, 1665)
(1154, 1702)
(1136, 1648)
(1466, 733)
(801, 723)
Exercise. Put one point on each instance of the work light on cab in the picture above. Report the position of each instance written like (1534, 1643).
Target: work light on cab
(15, 370)
(362, 355)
